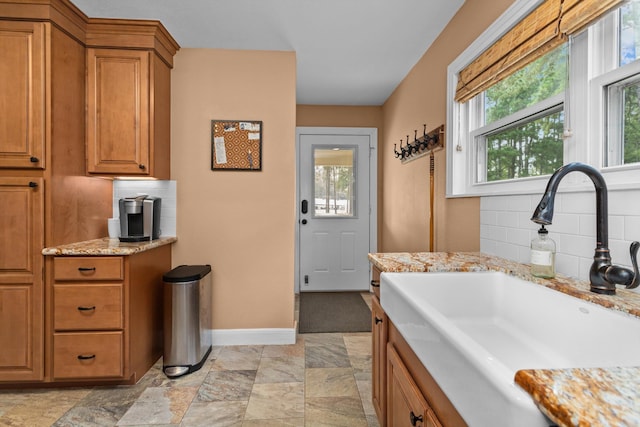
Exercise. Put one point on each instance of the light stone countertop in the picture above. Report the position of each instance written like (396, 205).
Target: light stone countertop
(107, 246)
(569, 397)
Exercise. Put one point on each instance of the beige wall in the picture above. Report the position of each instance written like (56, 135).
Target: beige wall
(339, 116)
(242, 223)
(421, 98)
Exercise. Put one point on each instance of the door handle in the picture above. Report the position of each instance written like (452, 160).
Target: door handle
(305, 206)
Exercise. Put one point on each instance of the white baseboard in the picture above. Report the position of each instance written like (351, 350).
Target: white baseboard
(266, 336)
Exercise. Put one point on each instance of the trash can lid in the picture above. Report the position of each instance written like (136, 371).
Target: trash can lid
(187, 273)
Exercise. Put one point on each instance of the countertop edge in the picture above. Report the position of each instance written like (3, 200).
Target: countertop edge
(106, 246)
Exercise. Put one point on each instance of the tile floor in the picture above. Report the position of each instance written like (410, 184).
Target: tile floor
(322, 380)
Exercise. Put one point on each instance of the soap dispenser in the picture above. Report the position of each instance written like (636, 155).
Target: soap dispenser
(543, 255)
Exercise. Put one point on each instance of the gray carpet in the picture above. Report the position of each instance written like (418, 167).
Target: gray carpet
(333, 312)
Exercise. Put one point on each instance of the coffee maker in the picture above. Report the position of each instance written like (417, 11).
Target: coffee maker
(139, 218)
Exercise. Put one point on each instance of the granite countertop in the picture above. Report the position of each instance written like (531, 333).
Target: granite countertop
(107, 246)
(569, 397)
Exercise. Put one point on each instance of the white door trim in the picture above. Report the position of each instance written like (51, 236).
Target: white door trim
(373, 185)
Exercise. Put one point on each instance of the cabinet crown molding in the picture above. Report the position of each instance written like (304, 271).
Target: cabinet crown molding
(132, 34)
(95, 32)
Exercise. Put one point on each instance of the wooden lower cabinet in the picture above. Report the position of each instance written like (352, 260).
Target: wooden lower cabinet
(406, 405)
(379, 324)
(21, 279)
(106, 316)
(403, 391)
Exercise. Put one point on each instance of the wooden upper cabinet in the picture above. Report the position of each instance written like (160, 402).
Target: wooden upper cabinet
(129, 97)
(118, 96)
(22, 94)
(21, 288)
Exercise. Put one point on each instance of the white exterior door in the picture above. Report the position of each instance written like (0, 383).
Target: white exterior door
(334, 211)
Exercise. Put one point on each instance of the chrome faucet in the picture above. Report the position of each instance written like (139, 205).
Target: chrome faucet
(603, 275)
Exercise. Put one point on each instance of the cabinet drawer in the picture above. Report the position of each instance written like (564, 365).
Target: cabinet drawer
(88, 268)
(87, 355)
(87, 307)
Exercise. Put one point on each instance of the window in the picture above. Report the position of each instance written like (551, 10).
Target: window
(334, 179)
(579, 102)
(523, 121)
(623, 97)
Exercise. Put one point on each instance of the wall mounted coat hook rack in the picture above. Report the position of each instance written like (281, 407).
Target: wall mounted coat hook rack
(426, 144)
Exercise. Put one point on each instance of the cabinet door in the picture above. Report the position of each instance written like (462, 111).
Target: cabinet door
(118, 115)
(22, 94)
(379, 359)
(406, 405)
(21, 243)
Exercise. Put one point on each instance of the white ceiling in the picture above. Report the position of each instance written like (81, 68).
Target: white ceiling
(349, 52)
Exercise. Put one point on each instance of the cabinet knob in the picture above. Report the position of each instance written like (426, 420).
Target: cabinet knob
(378, 320)
(415, 420)
(141, 166)
(375, 283)
(34, 159)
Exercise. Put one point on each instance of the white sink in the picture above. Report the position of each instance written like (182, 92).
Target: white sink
(474, 330)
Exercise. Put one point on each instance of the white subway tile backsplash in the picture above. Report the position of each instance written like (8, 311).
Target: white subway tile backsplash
(624, 202)
(506, 219)
(506, 250)
(519, 203)
(577, 203)
(499, 234)
(568, 264)
(518, 236)
(587, 225)
(488, 246)
(632, 228)
(581, 246)
(506, 229)
(524, 221)
(488, 218)
(620, 252)
(584, 266)
(495, 203)
(564, 223)
(616, 227)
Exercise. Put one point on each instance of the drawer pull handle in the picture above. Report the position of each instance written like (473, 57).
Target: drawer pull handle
(86, 269)
(82, 357)
(375, 283)
(93, 307)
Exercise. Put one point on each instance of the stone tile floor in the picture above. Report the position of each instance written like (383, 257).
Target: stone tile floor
(321, 380)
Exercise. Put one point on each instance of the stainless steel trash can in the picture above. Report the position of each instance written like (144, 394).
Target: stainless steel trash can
(187, 319)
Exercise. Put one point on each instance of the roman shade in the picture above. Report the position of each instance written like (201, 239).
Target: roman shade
(545, 28)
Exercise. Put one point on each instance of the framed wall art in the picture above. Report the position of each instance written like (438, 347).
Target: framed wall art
(236, 145)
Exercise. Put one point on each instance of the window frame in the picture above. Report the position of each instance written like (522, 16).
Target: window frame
(591, 54)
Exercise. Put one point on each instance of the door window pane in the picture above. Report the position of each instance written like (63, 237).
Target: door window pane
(334, 182)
